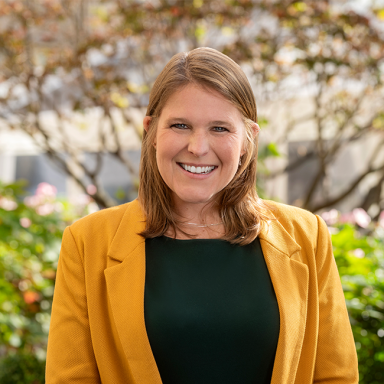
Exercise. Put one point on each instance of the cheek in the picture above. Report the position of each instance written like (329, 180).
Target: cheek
(161, 163)
(167, 143)
(164, 156)
(231, 150)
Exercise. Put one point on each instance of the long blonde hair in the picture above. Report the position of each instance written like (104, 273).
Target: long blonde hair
(240, 208)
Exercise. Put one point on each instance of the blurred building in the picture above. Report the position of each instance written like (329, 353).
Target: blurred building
(351, 161)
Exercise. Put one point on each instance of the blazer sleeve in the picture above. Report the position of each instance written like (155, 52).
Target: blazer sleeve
(70, 357)
(336, 360)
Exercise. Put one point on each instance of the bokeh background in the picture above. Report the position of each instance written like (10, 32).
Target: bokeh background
(75, 77)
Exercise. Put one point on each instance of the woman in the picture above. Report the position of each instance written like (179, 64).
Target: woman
(198, 280)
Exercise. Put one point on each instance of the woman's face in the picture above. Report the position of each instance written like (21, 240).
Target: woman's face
(200, 138)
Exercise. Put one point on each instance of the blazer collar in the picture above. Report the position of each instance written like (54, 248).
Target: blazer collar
(275, 234)
(127, 237)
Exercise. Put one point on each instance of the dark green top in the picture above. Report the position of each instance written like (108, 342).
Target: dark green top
(210, 311)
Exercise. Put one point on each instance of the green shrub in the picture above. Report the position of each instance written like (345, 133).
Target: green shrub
(22, 368)
(359, 255)
(30, 236)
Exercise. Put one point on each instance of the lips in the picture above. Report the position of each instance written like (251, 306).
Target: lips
(198, 169)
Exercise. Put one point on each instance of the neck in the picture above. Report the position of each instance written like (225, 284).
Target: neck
(197, 214)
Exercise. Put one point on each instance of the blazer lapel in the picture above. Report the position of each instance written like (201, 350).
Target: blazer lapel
(125, 279)
(290, 281)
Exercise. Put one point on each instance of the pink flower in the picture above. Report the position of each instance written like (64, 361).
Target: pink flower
(25, 222)
(347, 218)
(91, 189)
(45, 189)
(331, 217)
(7, 204)
(358, 216)
(33, 201)
(43, 200)
(361, 217)
(45, 209)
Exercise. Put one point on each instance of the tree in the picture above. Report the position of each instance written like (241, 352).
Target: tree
(107, 54)
(340, 56)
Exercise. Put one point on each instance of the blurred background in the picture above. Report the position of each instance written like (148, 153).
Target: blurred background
(75, 77)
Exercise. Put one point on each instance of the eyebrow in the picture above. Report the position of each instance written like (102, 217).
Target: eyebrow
(186, 121)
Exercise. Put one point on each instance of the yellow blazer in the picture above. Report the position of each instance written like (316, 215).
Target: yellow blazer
(98, 333)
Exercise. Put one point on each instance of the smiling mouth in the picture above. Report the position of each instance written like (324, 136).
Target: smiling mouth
(197, 170)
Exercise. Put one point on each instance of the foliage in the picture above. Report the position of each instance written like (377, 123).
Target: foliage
(22, 368)
(77, 58)
(359, 254)
(30, 236)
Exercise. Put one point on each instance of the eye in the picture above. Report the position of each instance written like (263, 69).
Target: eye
(220, 129)
(179, 125)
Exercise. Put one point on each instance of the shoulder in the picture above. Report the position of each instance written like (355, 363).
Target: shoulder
(287, 212)
(104, 223)
(305, 228)
(295, 219)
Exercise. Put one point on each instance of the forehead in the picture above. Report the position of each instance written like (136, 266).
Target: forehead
(200, 103)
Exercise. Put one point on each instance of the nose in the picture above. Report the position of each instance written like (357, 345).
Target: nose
(198, 144)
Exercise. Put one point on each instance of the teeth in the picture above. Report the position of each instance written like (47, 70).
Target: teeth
(193, 169)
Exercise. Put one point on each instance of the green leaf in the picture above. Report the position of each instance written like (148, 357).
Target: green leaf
(272, 148)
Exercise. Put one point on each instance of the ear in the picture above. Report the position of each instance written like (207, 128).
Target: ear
(254, 130)
(146, 122)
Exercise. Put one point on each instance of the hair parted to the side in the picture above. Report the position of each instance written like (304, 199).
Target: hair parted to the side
(240, 208)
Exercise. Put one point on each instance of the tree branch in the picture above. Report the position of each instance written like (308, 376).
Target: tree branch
(345, 193)
(354, 184)
(100, 197)
(118, 152)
